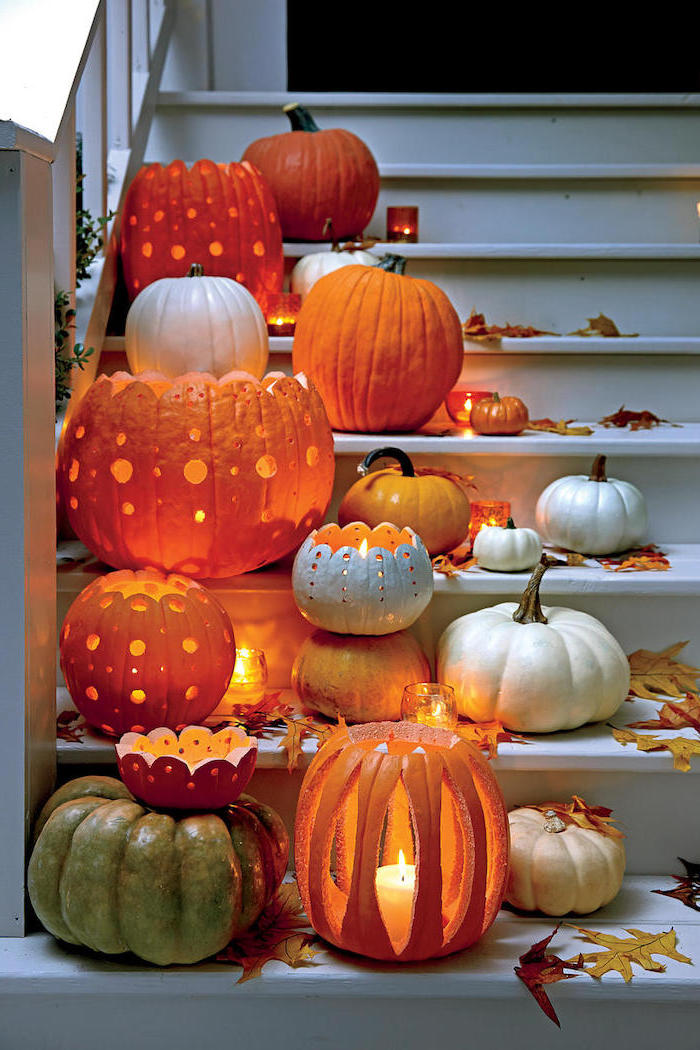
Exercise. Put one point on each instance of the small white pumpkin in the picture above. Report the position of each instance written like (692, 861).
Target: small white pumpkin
(358, 580)
(196, 324)
(311, 268)
(536, 669)
(592, 515)
(558, 868)
(507, 549)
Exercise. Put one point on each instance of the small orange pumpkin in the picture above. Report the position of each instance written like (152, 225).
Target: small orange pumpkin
(499, 415)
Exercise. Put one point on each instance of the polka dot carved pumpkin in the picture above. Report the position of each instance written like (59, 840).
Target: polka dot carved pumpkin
(208, 477)
(140, 650)
(220, 215)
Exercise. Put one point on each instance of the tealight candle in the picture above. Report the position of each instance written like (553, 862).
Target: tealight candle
(430, 703)
(395, 886)
(402, 224)
(487, 512)
(247, 685)
(461, 399)
(282, 312)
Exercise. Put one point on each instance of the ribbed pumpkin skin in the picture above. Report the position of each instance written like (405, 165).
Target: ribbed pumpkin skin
(382, 348)
(113, 876)
(315, 176)
(196, 475)
(167, 225)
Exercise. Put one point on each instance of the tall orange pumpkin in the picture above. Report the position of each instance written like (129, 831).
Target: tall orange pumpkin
(204, 476)
(317, 175)
(382, 348)
(222, 216)
(384, 787)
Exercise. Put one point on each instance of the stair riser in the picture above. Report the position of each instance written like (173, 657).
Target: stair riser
(462, 135)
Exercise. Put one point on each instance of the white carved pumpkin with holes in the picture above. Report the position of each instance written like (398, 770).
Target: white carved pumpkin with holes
(592, 514)
(196, 324)
(536, 669)
(312, 267)
(357, 580)
(558, 868)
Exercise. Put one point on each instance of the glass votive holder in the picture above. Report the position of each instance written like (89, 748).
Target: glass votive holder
(487, 512)
(246, 688)
(460, 401)
(430, 703)
(402, 224)
(281, 313)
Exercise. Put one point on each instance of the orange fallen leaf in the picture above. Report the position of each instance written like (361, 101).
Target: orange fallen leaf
(660, 672)
(639, 559)
(475, 327)
(682, 748)
(298, 729)
(595, 818)
(538, 967)
(487, 736)
(682, 715)
(643, 420)
(458, 560)
(619, 953)
(602, 325)
(688, 889)
(561, 426)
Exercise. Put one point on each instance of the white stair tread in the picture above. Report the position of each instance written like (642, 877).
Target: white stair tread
(516, 250)
(589, 748)
(539, 171)
(38, 962)
(409, 100)
(664, 440)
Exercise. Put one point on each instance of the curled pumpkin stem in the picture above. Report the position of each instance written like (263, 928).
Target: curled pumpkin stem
(598, 469)
(530, 609)
(391, 453)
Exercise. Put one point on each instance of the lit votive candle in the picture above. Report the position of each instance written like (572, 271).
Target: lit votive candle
(395, 885)
(460, 401)
(282, 312)
(487, 512)
(431, 703)
(402, 224)
(247, 685)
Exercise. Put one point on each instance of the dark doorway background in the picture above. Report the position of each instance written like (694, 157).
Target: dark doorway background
(446, 47)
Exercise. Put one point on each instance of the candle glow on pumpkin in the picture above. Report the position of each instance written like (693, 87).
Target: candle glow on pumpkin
(395, 886)
(247, 685)
(363, 548)
(485, 513)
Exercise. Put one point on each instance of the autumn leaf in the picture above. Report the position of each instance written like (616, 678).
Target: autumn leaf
(539, 967)
(602, 325)
(638, 559)
(475, 327)
(619, 953)
(688, 889)
(298, 729)
(458, 560)
(644, 420)
(654, 673)
(595, 818)
(682, 748)
(575, 559)
(561, 426)
(280, 933)
(70, 726)
(682, 715)
(488, 735)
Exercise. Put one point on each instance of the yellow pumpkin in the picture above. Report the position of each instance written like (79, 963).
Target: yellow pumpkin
(432, 504)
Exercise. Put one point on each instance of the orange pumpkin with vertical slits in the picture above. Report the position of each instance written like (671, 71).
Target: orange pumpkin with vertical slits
(222, 216)
(141, 650)
(204, 476)
(383, 349)
(375, 791)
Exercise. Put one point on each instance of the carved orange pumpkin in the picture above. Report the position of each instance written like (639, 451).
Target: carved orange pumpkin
(499, 415)
(140, 650)
(220, 215)
(210, 477)
(383, 349)
(384, 787)
(316, 176)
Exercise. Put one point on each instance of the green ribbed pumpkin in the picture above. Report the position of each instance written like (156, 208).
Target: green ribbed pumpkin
(114, 876)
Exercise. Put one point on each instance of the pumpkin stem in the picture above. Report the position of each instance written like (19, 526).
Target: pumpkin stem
(328, 230)
(392, 453)
(598, 469)
(510, 524)
(392, 263)
(196, 270)
(300, 118)
(530, 610)
(494, 396)
(553, 824)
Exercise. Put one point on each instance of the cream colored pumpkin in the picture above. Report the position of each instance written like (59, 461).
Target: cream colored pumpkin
(196, 324)
(536, 669)
(507, 549)
(559, 868)
(312, 267)
(592, 514)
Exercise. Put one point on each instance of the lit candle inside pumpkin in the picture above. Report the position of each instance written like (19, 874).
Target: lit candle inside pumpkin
(395, 885)
(487, 512)
(460, 400)
(247, 685)
(282, 312)
(402, 224)
(363, 548)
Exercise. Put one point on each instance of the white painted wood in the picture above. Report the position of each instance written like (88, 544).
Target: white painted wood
(513, 250)
(63, 181)
(249, 45)
(119, 122)
(187, 63)
(27, 534)
(140, 36)
(550, 172)
(91, 119)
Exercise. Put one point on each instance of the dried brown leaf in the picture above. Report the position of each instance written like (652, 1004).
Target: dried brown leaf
(487, 736)
(602, 325)
(682, 715)
(561, 426)
(688, 889)
(681, 747)
(619, 953)
(538, 967)
(643, 420)
(660, 672)
(475, 327)
(595, 818)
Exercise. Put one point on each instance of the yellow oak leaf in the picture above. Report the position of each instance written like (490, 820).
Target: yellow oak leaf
(685, 714)
(681, 747)
(621, 952)
(654, 673)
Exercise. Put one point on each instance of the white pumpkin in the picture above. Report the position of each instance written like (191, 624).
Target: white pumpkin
(312, 267)
(377, 589)
(592, 515)
(196, 324)
(536, 669)
(507, 549)
(558, 868)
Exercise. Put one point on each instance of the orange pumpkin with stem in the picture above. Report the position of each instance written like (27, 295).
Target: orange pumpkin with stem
(382, 348)
(205, 476)
(499, 415)
(385, 788)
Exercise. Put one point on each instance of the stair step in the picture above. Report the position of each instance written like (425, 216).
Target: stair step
(467, 250)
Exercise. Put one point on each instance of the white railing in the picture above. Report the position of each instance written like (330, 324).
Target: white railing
(95, 70)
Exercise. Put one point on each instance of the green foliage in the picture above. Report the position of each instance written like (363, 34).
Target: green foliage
(63, 322)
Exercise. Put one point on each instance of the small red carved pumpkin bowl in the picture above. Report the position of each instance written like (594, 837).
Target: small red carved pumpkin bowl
(196, 769)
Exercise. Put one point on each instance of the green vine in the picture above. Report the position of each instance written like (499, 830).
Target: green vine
(64, 316)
